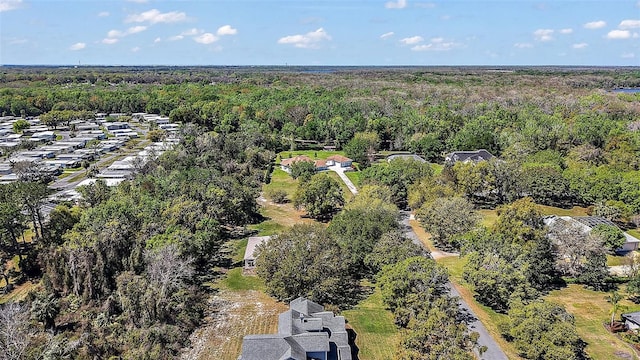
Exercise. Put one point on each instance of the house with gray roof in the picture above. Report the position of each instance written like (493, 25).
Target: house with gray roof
(632, 320)
(466, 156)
(305, 332)
(587, 223)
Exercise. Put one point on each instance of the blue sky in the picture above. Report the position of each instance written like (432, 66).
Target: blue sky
(329, 32)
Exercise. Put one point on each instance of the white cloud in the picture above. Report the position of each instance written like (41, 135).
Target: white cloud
(580, 45)
(6, 5)
(206, 38)
(78, 46)
(412, 40)
(399, 4)
(136, 29)
(175, 38)
(436, 44)
(566, 31)
(157, 40)
(191, 32)
(115, 34)
(154, 16)
(387, 35)
(628, 55)
(226, 30)
(619, 34)
(629, 24)
(103, 14)
(112, 34)
(139, 1)
(135, 49)
(109, 41)
(543, 34)
(310, 40)
(523, 45)
(595, 25)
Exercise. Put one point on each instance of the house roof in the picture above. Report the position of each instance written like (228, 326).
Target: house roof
(633, 317)
(320, 163)
(295, 159)
(339, 158)
(477, 155)
(252, 243)
(592, 221)
(304, 328)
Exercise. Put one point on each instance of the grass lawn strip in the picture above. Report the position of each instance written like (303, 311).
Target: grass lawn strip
(591, 311)
(377, 335)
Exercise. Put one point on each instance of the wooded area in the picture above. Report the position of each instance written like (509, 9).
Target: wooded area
(125, 272)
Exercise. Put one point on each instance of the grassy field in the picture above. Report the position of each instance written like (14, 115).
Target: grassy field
(552, 210)
(313, 154)
(591, 311)
(280, 180)
(376, 333)
(635, 233)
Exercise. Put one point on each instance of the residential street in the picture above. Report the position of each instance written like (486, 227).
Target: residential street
(494, 352)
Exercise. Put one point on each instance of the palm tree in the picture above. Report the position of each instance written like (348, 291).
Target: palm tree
(614, 298)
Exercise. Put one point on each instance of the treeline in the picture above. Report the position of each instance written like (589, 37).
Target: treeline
(122, 272)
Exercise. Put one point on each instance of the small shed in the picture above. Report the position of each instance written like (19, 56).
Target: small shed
(249, 253)
(632, 320)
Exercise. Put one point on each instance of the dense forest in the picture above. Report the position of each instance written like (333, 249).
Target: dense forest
(121, 273)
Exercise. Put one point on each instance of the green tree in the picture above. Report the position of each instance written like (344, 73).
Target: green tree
(445, 218)
(542, 330)
(20, 125)
(306, 261)
(398, 175)
(303, 170)
(358, 230)
(393, 247)
(614, 299)
(362, 147)
(412, 285)
(612, 237)
(320, 197)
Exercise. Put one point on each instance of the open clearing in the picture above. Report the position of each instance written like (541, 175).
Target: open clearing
(591, 311)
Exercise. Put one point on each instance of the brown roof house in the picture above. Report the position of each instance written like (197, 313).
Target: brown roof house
(305, 332)
(286, 164)
(342, 161)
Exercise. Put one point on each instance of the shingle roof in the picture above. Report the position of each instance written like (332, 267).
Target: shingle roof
(634, 317)
(339, 158)
(477, 155)
(295, 159)
(252, 243)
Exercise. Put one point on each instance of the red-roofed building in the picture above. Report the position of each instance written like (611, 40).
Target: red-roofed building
(286, 164)
(343, 161)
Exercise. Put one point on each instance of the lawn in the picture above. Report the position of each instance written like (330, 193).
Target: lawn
(591, 310)
(281, 180)
(376, 333)
(313, 154)
(552, 210)
(437, 168)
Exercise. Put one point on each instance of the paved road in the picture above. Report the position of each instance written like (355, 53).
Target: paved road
(494, 352)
